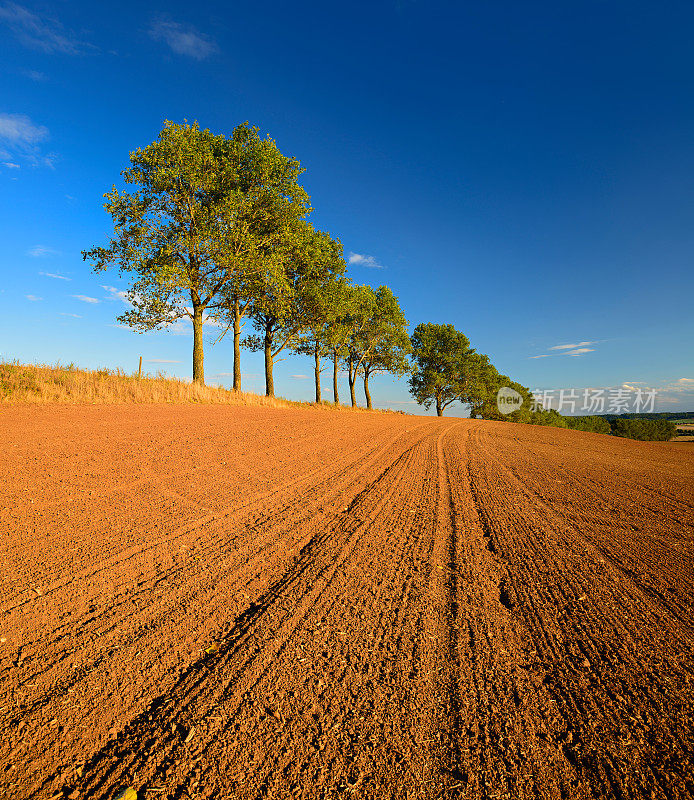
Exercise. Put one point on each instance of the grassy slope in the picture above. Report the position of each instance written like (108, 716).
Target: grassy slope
(29, 383)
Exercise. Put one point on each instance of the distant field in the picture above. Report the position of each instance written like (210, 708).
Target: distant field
(207, 601)
(684, 437)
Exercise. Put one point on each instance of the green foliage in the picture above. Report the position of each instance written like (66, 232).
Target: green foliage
(548, 417)
(439, 353)
(654, 430)
(206, 212)
(382, 343)
(590, 424)
(295, 298)
(377, 338)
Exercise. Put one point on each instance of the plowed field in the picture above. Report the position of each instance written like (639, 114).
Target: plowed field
(220, 602)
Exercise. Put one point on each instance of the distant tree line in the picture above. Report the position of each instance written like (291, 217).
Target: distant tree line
(656, 430)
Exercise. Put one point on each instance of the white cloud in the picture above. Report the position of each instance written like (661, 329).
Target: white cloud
(66, 314)
(570, 346)
(184, 326)
(21, 139)
(33, 298)
(84, 298)
(35, 75)
(183, 40)
(117, 294)
(10, 165)
(41, 251)
(18, 129)
(361, 260)
(300, 377)
(162, 361)
(579, 351)
(55, 275)
(41, 34)
(576, 349)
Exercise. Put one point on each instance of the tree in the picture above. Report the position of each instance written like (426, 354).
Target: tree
(277, 204)
(285, 306)
(360, 312)
(439, 353)
(376, 328)
(391, 343)
(195, 222)
(593, 424)
(338, 332)
(323, 297)
(656, 430)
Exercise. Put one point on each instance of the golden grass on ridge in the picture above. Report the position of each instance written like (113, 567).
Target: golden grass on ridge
(34, 383)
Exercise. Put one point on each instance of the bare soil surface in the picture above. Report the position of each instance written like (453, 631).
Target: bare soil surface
(229, 602)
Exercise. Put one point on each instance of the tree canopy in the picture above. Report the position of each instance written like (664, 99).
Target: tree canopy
(205, 219)
(439, 354)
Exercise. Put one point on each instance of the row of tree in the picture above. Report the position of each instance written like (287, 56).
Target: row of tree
(215, 230)
(447, 370)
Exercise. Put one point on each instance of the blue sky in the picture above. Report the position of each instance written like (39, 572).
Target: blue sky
(520, 170)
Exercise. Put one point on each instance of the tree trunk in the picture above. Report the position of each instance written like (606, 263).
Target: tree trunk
(336, 394)
(269, 382)
(366, 390)
(439, 409)
(237, 345)
(352, 377)
(316, 354)
(198, 356)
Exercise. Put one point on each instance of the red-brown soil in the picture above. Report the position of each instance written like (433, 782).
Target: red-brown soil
(209, 601)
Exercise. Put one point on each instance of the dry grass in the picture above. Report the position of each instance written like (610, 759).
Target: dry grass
(32, 383)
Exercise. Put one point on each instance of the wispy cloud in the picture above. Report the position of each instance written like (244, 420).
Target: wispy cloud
(35, 75)
(21, 138)
(41, 251)
(33, 298)
(361, 260)
(300, 377)
(570, 346)
(41, 33)
(55, 275)
(66, 314)
(579, 351)
(84, 298)
(10, 165)
(117, 294)
(183, 39)
(184, 326)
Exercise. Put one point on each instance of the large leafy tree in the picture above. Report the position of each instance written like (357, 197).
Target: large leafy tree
(274, 205)
(376, 323)
(291, 299)
(337, 333)
(439, 355)
(389, 343)
(205, 212)
(323, 298)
